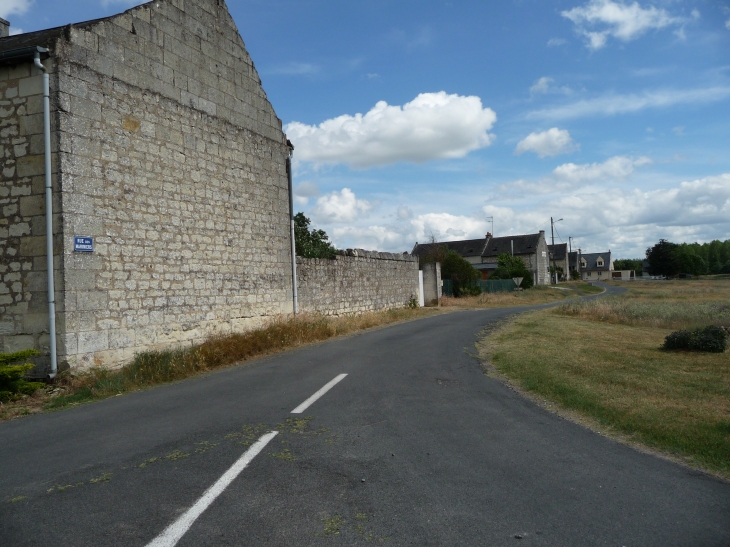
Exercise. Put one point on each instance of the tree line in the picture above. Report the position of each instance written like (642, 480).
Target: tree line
(667, 258)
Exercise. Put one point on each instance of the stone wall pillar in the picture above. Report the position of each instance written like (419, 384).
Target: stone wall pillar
(432, 284)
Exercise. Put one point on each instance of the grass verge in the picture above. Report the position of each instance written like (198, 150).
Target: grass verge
(156, 367)
(609, 373)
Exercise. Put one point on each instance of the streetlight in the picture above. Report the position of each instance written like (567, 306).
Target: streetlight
(552, 233)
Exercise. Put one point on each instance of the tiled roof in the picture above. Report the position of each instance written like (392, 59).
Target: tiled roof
(558, 251)
(487, 247)
(592, 258)
(523, 244)
(466, 247)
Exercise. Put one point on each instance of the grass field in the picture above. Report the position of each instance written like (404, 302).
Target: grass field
(602, 361)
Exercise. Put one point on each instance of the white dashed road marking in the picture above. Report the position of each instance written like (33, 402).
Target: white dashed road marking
(177, 529)
(324, 389)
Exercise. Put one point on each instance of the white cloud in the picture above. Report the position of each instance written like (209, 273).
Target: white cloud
(621, 104)
(624, 22)
(432, 126)
(556, 42)
(404, 213)
(545, 85)
(552, 142)
(570, 176)
(14, 7)
(15, 30)
(542, 85)
(304, 191)
(340, 206)
(727, 24)
(617, 167)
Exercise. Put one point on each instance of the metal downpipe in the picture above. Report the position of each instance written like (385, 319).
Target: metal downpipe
(49, 215)
(293, 243)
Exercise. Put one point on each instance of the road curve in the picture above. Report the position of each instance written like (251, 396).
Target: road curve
(415, 446)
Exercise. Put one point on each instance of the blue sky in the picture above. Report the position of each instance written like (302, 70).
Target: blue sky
(418, 119)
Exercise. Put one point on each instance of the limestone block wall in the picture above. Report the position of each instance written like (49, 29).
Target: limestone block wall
(23, 284)
(168, 153)
(356, 282)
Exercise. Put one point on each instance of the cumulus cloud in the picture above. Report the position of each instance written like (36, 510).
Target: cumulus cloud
(431, 126)
(610, 105)
(600, 217)
(617, 167)
(570, 176)
(552, 142)
(701, 202)
(14, 7)
(600, 19)
(342, 206)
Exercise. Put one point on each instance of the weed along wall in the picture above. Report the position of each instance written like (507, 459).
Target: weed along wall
(169, 159)
(357, 281)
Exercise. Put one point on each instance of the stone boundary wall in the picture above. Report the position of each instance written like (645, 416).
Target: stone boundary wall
(356, 281)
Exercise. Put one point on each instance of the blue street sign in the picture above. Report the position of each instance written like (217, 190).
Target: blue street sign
(83, 244)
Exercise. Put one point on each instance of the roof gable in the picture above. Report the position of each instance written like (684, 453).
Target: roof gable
(592, 261)
(189, 51)
(522, 245)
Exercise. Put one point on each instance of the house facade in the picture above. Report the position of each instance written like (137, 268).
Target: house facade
(167, 159)
(596, 266)
(483, 253)
(559, 259)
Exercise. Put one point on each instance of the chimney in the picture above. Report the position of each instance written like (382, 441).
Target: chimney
(4, 28)
(489, 234)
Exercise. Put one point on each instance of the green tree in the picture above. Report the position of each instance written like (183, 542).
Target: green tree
(509, 266)
(463, 275)
(662, 258)
(311, 243)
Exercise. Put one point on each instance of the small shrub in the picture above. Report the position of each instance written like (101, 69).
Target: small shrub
(711, 339)
(12, 383)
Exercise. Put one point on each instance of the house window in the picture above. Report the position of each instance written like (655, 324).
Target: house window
(582, 263)
(599, 263)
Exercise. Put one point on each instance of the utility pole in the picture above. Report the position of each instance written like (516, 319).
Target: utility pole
(552, 234)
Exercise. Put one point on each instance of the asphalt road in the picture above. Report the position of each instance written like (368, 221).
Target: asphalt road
(415, 446)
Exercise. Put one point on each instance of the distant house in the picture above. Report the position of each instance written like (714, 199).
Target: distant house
(482, 253)
(596, 266)
(559, 258)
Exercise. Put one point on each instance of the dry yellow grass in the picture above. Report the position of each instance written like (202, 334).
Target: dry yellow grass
(156, 367)
(531, 297)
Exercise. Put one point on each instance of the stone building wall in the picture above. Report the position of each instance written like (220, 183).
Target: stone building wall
(23, 280)
(356, 282)
(171, 157)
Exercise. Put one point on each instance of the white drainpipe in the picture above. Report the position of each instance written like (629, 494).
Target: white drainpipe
(49, 215)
